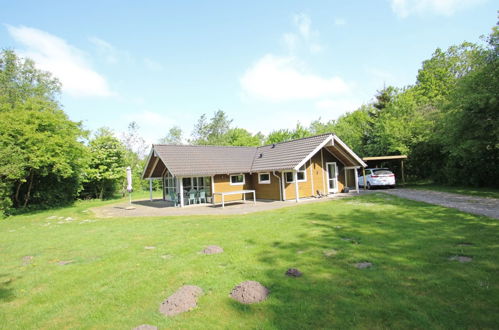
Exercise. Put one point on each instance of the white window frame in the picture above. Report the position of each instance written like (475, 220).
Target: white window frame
(304, 171)
(237, 183)
(260, 181)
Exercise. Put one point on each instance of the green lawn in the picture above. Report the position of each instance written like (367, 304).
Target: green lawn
(115, 283)
(461, 190)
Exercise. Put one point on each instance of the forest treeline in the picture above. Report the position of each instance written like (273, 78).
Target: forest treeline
(447, 124)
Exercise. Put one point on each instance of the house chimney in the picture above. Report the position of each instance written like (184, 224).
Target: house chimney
(273, 145)
(260, 156)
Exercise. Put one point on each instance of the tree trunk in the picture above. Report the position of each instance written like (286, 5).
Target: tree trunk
(16, 196)
(29, 188)
(101, 195)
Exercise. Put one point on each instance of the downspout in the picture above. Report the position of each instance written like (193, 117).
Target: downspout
(280, 187)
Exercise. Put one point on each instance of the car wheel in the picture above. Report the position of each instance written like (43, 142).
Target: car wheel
(369, 186)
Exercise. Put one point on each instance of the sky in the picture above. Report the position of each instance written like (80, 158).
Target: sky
(267, 64)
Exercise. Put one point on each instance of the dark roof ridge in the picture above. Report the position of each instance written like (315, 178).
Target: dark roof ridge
(202, 145)
(303, 138)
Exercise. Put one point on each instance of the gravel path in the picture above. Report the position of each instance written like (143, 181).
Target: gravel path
(471, 204)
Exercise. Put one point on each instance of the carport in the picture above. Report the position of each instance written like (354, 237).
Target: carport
(379, 161)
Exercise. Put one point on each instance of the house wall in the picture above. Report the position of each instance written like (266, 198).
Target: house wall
(267, 190)
(222, 184)
(316, 177)
(328, 157)
(351, 178)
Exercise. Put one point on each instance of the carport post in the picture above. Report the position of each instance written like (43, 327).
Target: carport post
(150, 189)
(356, 180)
(364, 177)
(402, 170)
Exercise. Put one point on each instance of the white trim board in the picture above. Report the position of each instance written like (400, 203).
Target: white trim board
(350, 151)
(330, 138)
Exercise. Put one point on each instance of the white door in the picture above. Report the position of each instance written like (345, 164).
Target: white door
(332, 177)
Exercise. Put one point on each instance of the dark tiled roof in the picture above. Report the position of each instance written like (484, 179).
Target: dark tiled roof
(285, 155)
(189, 160)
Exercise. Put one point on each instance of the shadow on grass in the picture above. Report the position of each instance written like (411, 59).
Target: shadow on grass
(6, 293)
(412, 283)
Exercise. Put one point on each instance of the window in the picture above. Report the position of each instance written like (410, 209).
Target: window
(237, 179)
(263, 178)
(301, 174)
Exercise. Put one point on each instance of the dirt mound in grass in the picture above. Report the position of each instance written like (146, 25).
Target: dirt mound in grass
(213, 249)
(461, 258)
(363, 265)
(249, 292)
(183, 300)
(27, 260)
(293, 272)
(145, 327)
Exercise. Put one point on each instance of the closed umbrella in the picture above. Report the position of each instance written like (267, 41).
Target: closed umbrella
(129, 182)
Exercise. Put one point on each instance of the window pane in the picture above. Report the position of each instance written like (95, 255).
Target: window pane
(289, 177)
(301, 176)
(236, 178)
(264, 177)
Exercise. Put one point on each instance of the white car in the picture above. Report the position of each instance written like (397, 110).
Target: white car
(378, 177)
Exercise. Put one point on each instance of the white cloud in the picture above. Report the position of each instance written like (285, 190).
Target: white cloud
(291, 41)
(105, 49)
(66, 62)
(304, 35)
(405, 8)
(303, 23)
(152, 65)
(340, 21)
(283, 78)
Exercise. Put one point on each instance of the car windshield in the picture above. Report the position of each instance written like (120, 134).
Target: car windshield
(381, 172)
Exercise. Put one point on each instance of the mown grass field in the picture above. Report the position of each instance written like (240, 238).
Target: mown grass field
(113, 282)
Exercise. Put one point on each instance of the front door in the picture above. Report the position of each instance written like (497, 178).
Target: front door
(332, 177)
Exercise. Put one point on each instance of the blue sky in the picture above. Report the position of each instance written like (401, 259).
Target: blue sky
(267, 64)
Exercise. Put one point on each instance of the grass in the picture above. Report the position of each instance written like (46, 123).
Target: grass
(461, 190)
(115, 283)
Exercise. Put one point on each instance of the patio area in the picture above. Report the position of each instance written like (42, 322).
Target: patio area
(159, 207)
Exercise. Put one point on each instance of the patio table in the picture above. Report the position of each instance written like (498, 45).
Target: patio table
(244, 192)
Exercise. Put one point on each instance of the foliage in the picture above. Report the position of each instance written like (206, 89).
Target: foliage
(282, 135)
(20, 80)
(241, 137)
(174, 136)
(471, 123)
(212, 131)
(218, 131)
(41, 153)
(106, 169)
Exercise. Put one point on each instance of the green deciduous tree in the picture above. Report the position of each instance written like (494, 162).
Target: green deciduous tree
(241, 137)
(41, 153)
(212, 131)
(174, 136)
(107, 167)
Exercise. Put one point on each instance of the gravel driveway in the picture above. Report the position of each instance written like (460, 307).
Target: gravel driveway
(471, 204)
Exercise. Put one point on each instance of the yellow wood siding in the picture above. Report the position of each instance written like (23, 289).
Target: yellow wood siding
(304, 188)
(328, 157)
(267, 190)
(222, 184)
